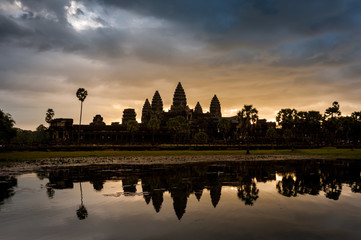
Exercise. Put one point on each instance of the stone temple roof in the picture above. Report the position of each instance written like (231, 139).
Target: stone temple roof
(157, 103)
(215, 107)
(198, 109)
(146, 111)
(179, 107)
(128, 115)
(146, 106)
(179, 98)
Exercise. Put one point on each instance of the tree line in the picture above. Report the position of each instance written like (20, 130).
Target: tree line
(293, 127)
(10, 134)
(313, 127)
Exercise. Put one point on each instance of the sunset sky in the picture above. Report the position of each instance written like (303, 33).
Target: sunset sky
(273, 54)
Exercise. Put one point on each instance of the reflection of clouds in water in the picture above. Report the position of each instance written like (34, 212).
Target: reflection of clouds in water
(165, 195)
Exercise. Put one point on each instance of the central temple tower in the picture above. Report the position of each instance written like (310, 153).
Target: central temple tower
(215, 107)
(179, 99)
(157, 103)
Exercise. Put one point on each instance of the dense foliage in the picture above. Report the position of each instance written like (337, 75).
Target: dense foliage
(7, 130)
(293, 128)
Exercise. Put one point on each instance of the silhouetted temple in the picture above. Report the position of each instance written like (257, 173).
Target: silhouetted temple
(146, 111)
(63, 131)
(215, 107)
(198, 109)
(157, 104)
(179, 99)
(98, 121)
(179, 107)
(128, 115)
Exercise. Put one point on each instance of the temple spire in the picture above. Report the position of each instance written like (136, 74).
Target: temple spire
(179, 98)
(146, 111)
(215, 107)
(198, 109)
(157, 103)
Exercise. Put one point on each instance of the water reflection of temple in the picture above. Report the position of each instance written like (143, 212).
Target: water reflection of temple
(292, 178)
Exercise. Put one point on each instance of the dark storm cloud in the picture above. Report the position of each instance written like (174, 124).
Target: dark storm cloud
(327, 49)
(307, 33)
(222, 25)
(45, 26)
(41, 25)
(9, 29)
(249, 51)
(55, 8)
(252, 22)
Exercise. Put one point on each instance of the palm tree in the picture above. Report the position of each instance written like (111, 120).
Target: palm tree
(81, 213)
(153, 126)
(287, 118)
(356, 115)
(247, 117)
(81, 95)
(332, 122)
(248, 192)
(49, 115)
(333, 111)
(306, 125)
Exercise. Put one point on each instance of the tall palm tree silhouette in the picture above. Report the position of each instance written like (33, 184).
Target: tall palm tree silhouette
(81, 95)
(82, 213)
(247, 117)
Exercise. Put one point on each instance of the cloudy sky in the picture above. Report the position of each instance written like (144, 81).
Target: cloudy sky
(273, 54)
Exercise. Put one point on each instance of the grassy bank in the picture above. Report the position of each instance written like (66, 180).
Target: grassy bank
(331, 153)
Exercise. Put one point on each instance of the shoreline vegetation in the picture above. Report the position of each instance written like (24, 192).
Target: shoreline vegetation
(167, 155)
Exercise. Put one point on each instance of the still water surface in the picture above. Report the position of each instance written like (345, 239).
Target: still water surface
(313, 199)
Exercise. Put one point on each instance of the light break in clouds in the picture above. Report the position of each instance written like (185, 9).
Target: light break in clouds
(273, 54)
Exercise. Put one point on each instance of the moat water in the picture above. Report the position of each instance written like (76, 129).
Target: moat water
(312, 199)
